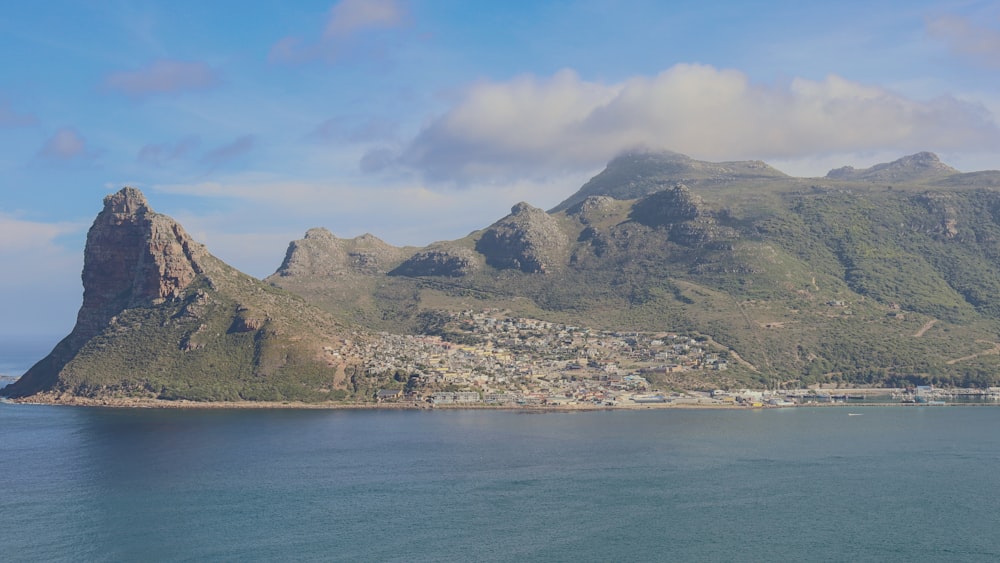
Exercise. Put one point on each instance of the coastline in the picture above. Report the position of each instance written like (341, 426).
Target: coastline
(186, 404)
(139, 403)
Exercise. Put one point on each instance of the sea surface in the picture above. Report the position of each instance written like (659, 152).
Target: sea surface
(799, 484)
(17, 354)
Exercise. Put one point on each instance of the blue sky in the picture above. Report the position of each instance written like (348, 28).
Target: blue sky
(417, 121)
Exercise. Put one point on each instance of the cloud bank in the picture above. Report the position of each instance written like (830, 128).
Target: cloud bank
(532, 126)
(36, 264)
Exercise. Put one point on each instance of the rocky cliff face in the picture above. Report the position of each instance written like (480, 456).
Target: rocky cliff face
(673, 205)
(684, 215)
(529, 239)
(593, 209)
(440, 260)
(164, 319)
(133, 257)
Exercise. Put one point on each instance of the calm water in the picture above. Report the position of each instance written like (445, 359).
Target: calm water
(895, 484)
(17, 354)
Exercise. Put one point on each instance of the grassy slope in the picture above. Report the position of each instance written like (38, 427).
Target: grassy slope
(229, 337)
(825, 283)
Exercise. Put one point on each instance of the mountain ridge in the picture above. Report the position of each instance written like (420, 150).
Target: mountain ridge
(690, 255)
(836, 280)
(638, 173)
(914, 167)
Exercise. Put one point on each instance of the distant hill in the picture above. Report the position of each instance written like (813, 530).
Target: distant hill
(916, 167)
(640, 173)
(164, 319)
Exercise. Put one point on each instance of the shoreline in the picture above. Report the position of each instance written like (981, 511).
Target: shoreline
(133, 403)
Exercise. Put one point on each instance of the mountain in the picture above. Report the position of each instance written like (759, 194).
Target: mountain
(348, 277)
(841, 279)
(639, 173)
(848, 279)
(164, 319)
(912, 168)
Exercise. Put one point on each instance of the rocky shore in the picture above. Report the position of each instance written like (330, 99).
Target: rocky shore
(149, 403)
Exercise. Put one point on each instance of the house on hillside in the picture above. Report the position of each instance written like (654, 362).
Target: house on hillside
(388, 395)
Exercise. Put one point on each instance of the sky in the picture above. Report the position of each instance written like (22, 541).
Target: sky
(422, 120)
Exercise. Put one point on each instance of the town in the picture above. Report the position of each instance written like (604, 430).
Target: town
(492, 359)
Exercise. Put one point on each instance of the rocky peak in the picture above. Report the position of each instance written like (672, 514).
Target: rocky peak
(442, 259)
(529, 239)
(673, 205)
(684, 215)
(919, 166)
(321, 253)
(592, 209)
(319, 233)
(127, 201)
(133, 256)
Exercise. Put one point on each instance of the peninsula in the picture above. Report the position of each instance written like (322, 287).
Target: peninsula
(663, 280)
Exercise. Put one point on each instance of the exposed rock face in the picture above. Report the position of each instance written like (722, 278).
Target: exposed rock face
(446, 261)
(529, 239)
(943, 208)
(592, 209)
(920, 166)
(163, 318)
(683, 213)
(322, 254)
(669, 206)
(133, 257)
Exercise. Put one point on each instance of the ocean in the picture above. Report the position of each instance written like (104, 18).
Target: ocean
(799, 484)
(18, 353)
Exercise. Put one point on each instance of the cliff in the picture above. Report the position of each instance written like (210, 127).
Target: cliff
(529, 240)
(163, 318)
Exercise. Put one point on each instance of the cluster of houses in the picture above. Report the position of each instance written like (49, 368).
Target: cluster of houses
(504, 360)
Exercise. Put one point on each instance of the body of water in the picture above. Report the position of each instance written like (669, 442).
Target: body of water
(804, 484)
(17, 354)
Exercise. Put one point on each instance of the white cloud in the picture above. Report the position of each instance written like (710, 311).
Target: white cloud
(65, 144)
(31, 237)
(980, 43)
(347, 20)
(530, 127)
(225, 153)
(40, 287)
(163, 77)
(350, 16)
(165, 153)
